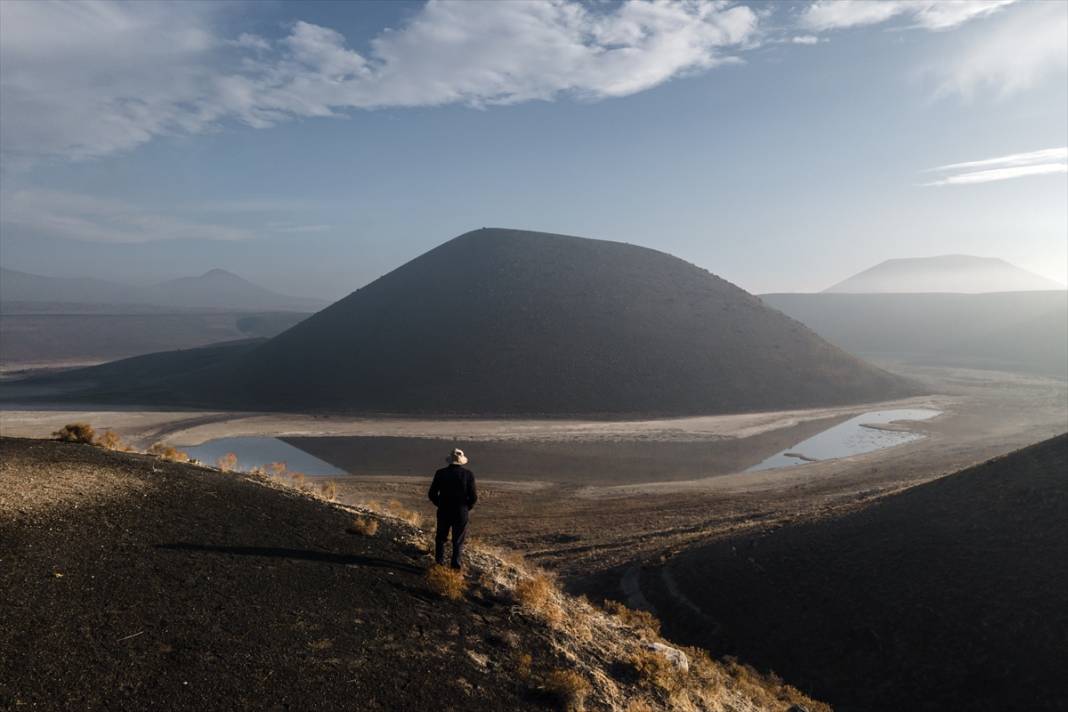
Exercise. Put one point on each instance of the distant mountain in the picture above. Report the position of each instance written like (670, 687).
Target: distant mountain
(950, 595)
(24, 287)
(1011, 331)
(948, 273)
(500, 322)
(217, 289)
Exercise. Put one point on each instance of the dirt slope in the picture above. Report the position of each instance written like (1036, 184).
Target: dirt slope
(134, 583)
(950, 595)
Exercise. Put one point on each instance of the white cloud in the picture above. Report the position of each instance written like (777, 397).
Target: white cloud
(82, 217)
(927, 14)
(1033, 163)
(1027, 46)
(88, 79)
(805, 39)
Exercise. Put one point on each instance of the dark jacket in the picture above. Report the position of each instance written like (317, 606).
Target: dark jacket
(453, 488)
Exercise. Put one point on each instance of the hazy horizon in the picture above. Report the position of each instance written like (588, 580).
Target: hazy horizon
(312, 147)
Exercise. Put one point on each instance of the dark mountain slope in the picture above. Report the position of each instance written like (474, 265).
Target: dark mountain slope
(512, 322)
(946, 273)
(1013, 331)
(950, 595)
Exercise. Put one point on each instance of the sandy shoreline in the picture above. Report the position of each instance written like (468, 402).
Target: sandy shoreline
(190, 428)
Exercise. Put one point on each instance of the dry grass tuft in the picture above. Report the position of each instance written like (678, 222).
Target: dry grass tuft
(568, 687)
(524, 666)
(364, 526)
(654, 671)
(297, 479)
(769, 690)
(641, 620)
(227, 462)
(395, 509)
(328, 490)
(277, 468)
(446, 582)
(110, 440)
(76, 433)
(537, 595)
(168, 452)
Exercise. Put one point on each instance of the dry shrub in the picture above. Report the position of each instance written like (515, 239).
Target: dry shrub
(568, 687)
(297, 479)
(364, 526)
(446, 582)
(168, 452)
(768, 690)
(110, 440)
(277, 468)
(536, 594)
(227, 462)
(328, 489)
(642, 620)
(524, 666)
(398, 510)
(655, 671)
(76, 433)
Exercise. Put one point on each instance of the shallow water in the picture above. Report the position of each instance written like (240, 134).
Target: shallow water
(853, 437)
(260, 452)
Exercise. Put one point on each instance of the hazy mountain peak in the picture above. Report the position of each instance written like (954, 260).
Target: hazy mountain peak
(945, 273)
(218, 273)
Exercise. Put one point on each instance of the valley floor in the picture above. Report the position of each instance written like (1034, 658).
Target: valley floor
(600, 534)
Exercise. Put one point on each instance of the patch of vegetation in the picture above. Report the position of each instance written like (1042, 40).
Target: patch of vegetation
(654, 671)
(168, 452)
(537, 595)
(364, 526)
(568, 687)
(395, 509)
(76, 433)
(328, 490)
(110, 440)
(446, 582)
(227, 462)
(642, 620)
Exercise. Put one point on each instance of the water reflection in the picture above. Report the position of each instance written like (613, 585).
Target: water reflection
(853, 437)
(260, 452)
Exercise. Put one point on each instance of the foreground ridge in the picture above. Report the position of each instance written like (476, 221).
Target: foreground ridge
(135, 581)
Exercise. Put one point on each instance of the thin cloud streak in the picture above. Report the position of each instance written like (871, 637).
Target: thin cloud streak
(926, 14)
(1048, 161)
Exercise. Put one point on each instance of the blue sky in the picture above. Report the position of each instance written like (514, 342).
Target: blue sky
(314, 146)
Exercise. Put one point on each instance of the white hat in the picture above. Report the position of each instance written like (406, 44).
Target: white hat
(456, 457)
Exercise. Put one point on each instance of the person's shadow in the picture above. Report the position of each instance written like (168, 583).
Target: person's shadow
(325, 557)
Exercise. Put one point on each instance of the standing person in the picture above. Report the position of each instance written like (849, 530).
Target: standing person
(453, 491)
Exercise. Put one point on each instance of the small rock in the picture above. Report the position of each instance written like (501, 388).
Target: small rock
(675, 655)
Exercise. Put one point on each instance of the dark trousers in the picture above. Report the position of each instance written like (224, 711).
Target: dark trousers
(456, 520)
